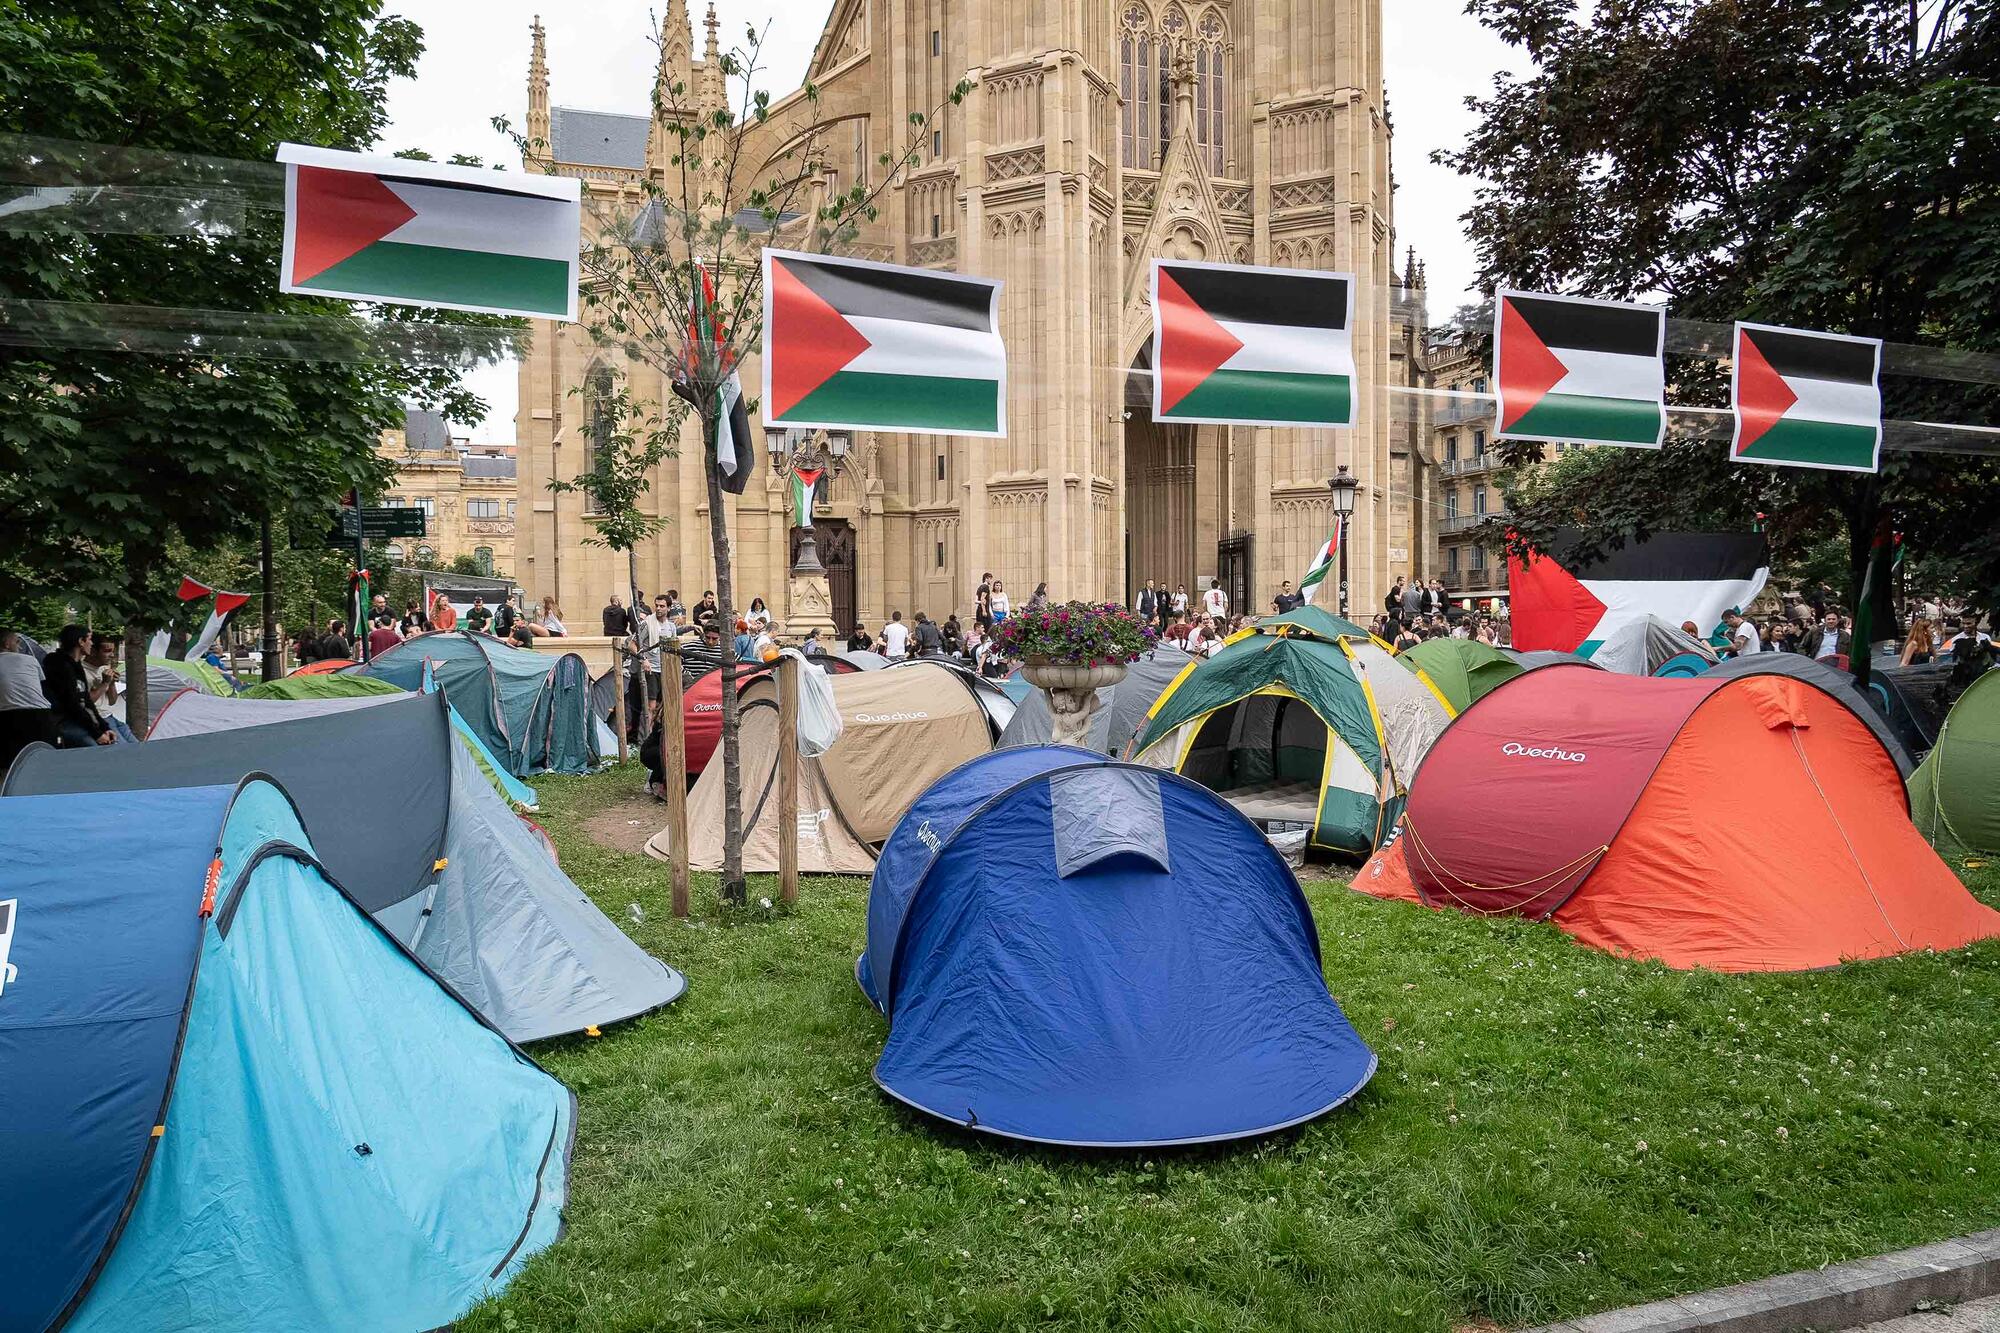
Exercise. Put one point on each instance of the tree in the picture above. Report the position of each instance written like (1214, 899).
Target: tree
(675, 283)
(115, 447)
(627, 441)
(1827, 166)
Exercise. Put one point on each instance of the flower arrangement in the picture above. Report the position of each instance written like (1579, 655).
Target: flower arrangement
(1076, 633)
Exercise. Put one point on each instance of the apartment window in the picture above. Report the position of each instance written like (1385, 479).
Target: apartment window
(1451, 504)
(1451, 449)
(1479, 557)
(395, 550)
(482, 509)
(937, 42)
(1479, 444)
(1478, 499)
(426, 553)
(1451, 558)
(1479, 385)
(510, 507)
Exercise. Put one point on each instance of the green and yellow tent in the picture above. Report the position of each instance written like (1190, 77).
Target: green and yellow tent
(1303, 718)
(1460, 671)
(1955, 792)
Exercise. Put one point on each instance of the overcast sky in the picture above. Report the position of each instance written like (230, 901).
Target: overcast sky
(476, 60)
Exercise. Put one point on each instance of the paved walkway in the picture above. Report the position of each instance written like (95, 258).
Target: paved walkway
(1972, 1317)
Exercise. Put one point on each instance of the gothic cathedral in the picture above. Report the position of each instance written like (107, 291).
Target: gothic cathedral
(1097, 135)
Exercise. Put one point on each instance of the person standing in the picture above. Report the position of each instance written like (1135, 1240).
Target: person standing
(930, 641)
(1147, 603)
(384, 637)
(67, 690)
(1743, 637)
(1177, 605)
(1215, 602)
(1830, 640)
(996, 601)
(982, 602)
(895, 638)
(1286, 600)
(1413, 601)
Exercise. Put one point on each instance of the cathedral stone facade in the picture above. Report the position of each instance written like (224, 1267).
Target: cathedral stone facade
(1098, 134)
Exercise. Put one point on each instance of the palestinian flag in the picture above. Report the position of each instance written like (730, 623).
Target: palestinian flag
(1571, 369)
(1806, 399)
(1564, 601)
(803, 481)
(418, 233)
(708, 340)
(1241, 345)
(1322, 564)
(854, 345)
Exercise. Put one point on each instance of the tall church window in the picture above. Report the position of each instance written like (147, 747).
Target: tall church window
(1149, 156)
(600, 422)
(1132, 85)
(1126, 149)
(1209, 121)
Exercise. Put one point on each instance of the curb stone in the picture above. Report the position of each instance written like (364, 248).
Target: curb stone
(1819, 1300)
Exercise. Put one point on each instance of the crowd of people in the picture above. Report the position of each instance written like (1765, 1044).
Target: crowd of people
(65, 697)
(1818, 628)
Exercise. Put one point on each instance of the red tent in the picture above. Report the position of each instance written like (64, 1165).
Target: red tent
(701, 708)
(1744, 824)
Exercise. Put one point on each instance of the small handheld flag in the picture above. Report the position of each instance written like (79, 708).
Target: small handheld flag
(421, 233)
(1237, 344)
(1806, 399)
(854, 345)
(1571, 369)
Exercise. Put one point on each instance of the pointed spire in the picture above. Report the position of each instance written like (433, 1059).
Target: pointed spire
(714, 88)
(538, 89)
(1410, 267)
(675, 70)
(1183, 80)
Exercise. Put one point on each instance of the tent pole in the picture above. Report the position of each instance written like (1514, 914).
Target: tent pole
(673, 763)
(788, 778)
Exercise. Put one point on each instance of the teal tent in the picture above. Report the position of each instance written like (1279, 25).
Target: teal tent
(530, 709)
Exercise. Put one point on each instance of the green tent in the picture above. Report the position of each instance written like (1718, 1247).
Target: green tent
(1460, 670)
(197, 673)
(1300, 720)
(320, 685)
(1955, 792)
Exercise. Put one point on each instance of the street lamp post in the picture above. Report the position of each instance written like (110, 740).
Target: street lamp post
(1343, 484)
(792, 450)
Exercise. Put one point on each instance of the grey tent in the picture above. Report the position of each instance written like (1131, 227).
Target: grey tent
(1542, 657)
(859, 658)
(1121, 708)
(1645, 645)
(1831, 679)
(402, 819)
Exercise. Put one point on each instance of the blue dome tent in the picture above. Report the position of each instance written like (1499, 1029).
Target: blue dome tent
(232, 1102)
(1088, 988)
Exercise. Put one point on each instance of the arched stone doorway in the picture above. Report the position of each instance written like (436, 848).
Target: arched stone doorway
(1160, 482)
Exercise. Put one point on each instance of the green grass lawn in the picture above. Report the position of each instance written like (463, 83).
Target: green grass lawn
(1551, 1132)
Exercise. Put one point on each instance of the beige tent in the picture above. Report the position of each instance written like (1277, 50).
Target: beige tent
(901, 731)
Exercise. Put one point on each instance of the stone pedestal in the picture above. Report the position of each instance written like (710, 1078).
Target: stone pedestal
(808, 606)
(1072, 689)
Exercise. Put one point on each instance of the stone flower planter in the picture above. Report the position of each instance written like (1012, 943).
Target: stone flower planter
(1072, 689)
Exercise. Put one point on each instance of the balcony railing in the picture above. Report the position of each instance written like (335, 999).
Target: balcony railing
(1491, 579)
(1466, 467)
(1460, 411)
(1463, 522)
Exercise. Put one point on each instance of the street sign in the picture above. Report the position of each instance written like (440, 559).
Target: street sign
(376, 525)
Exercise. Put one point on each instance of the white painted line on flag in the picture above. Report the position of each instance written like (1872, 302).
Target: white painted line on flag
(497, 224)
(900, 347)
(1289, 349)
(1609, 375)
(1838, 402)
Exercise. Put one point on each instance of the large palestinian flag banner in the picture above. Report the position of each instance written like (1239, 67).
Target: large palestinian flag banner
(1575, 370)
(1806, 399)
(1562, 601)
(418, 233)
(1240, 345)
(855, 345)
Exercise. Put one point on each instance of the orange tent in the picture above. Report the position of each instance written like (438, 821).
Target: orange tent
(1743, 824)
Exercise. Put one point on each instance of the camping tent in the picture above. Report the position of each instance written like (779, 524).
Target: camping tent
(1829, 678)
(1542, 657)
(406, 824)
(901, 730)
(1460, 671)
(1955, 793)
(232, 1103)
(1300, 719)
(996, 703)
(1654, 806)
(861, 659)
(532, 709)
(1121, 708)
(320, 686)
(1916, 700)
(701, 704)
(194, 714)
(1645, 645)
(1138, 969)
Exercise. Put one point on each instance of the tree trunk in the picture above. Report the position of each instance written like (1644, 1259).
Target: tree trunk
(1864, 517)
(733, 889)
(135, 679)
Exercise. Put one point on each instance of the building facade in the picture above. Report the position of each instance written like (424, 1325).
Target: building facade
(467, 492)
(1097, 136)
